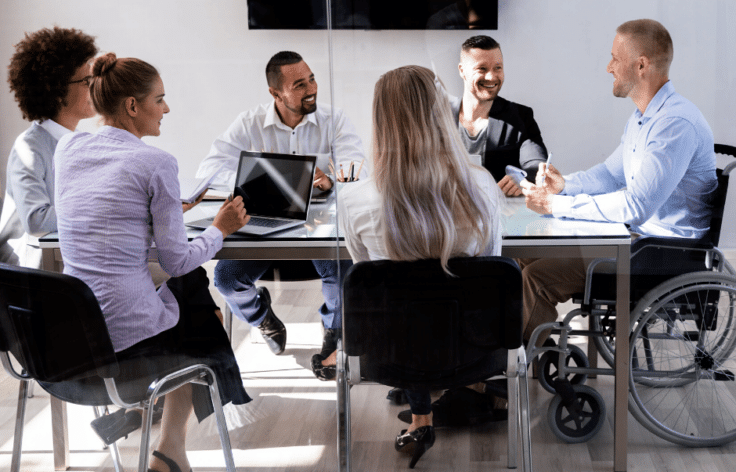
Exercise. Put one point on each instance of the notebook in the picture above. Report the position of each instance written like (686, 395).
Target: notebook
(190, 189)
(276, 190)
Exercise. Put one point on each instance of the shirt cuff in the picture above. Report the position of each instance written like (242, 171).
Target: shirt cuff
(214, 236)
(562, 206)
(570, 187)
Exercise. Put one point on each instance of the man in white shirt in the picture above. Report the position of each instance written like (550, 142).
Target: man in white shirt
(293, 123)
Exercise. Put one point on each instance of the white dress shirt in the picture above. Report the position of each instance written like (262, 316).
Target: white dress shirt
(261, 129)
(360, 208)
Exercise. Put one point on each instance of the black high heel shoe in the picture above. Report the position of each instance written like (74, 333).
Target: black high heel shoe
(416, 442)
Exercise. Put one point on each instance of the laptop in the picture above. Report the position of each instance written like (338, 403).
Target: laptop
(276, 190)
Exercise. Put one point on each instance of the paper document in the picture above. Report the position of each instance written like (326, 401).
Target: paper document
(190, 189)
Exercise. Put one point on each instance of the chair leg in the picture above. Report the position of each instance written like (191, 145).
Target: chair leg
(343, 413)
(526, 440)
(31, 385)
(221, 424)
(146, 434)
(20, 417)
(512, 387)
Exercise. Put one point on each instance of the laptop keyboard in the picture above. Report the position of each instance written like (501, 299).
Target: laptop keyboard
(266, 222)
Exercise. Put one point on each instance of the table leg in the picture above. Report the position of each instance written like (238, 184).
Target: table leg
(621, 385)
(60, 433)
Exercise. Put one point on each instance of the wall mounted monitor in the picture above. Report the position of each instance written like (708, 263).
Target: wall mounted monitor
(374, 14)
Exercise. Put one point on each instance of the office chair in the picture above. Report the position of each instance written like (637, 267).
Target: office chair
(52, 325)
(410, 325)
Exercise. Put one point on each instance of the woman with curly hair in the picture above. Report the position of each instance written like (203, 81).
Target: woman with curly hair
(49, 75)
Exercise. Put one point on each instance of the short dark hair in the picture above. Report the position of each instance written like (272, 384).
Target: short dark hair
(42, 66)
(273, 68)
(480, 42)
(114, 80)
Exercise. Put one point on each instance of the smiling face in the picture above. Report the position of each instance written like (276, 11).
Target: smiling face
(623, 67)
(482, 72)
(297, 92)
(151, 110)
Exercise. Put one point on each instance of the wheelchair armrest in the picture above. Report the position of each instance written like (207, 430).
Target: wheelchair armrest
(644, 242)
(589, 276)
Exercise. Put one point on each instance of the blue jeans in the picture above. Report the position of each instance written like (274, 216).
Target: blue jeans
(236, 280)
(420, 401)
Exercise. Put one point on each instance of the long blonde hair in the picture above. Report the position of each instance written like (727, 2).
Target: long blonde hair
(432, 206)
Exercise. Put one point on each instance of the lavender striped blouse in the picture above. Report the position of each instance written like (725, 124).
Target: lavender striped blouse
(115, 196)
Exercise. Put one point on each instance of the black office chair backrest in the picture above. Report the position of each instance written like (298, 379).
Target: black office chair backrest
(53, 326)
(414, 325)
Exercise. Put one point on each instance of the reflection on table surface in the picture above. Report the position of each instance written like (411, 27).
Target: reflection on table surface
(519, 222)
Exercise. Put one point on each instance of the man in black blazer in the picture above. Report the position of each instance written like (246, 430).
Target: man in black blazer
(499, 131)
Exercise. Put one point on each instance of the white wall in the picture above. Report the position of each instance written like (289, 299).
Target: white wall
(555, 55)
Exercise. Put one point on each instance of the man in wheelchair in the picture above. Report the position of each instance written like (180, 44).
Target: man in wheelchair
(660, 180)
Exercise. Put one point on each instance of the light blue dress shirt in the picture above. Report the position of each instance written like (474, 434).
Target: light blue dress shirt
(115, 195)
(659, 180)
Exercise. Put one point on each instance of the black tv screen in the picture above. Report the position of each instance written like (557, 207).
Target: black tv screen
(374, 14)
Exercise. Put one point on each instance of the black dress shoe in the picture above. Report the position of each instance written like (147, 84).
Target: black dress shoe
(460, 407)
(415, 443)
(272, 329)
(329, 345)
(114, 426)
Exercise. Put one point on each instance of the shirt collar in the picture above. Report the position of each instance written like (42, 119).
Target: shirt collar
(657, 101)
(55, 129)
(273, 119)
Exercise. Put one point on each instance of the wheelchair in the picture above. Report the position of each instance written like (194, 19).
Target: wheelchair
(682, 380)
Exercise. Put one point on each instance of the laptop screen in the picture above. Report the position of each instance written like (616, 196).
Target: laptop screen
(275, 185)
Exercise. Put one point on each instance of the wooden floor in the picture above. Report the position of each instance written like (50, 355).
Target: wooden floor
(291, 424)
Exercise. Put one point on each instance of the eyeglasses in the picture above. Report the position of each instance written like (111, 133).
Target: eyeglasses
(84, 81)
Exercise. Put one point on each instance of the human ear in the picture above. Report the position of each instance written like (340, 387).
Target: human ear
(131, 106)
(274, 93)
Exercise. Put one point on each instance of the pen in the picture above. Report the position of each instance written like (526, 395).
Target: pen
(352, 170)
(360, 167)
(546, 167)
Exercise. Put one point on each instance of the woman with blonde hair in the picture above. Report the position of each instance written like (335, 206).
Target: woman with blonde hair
(425, 200)
(116, 196)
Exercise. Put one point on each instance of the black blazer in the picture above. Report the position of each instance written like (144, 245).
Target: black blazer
(513, 138)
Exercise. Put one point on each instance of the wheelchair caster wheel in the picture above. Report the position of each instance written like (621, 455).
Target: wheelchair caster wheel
(548, 367)
(579, 421)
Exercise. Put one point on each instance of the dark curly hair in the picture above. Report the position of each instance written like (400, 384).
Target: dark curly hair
(42, 67)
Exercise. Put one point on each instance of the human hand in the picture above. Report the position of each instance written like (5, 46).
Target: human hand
(321, 181)
(538, 198)
(553, 180)
(188, 206)
(509, 187)
(231, 217)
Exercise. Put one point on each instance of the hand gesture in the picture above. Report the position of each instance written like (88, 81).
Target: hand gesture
(188, 206)
(321, 181)
(231, 217)
(550, 178)
(538, 198)
(509, 187)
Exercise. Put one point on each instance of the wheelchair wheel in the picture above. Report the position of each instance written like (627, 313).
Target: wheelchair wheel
(549, 362)
(581, 421)
(683, 375)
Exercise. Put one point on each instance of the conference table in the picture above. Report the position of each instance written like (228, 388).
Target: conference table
(526, 235)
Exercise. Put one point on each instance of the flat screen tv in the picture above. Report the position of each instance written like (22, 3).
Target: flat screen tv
(374, 14)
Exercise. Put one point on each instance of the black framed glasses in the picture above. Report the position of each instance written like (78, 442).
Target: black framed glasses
(86, 81)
